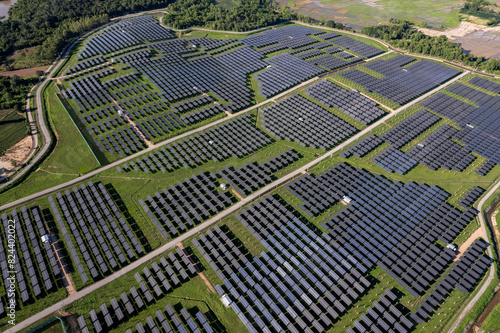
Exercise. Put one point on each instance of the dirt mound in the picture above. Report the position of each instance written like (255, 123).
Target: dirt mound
(16, 154)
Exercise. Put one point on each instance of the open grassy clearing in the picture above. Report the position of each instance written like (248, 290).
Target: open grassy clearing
(358, 14)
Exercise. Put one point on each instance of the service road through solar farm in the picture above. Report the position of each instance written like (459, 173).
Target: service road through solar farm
(294, 179)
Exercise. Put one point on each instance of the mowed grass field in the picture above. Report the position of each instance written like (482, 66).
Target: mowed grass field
(12, 129)
(358, 14)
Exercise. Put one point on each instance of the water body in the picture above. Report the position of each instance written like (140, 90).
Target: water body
(4, 7)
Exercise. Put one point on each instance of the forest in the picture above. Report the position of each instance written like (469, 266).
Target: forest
(400, 34)
(33, 22)
(248, 15)
(13, 91)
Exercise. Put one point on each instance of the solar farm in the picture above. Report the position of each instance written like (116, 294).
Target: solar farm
(279, 181)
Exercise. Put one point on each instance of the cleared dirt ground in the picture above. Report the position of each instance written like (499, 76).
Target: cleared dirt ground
(476, 39)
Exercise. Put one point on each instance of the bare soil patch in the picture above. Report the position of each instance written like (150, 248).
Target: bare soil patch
(16, 154)
(475, 235)
(25, 72)
(473, 38)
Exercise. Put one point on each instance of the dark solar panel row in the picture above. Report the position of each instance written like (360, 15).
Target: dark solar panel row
(123, 34)
(392, 160)
(202, 114)
(437, 150)
(356, 46)
(301, 284)
(253, 175)
(401, 85)
(84, 64)
(103, 236)
(351, 102)
(484, 168)
(392, 224)
(383, 316)
(331, 62)
(186, 204)
(409, 128)
(235, 138)
(155, 281)
(192, 103)
(315, 197)
(463, 274)
(485, 84)
(298, 119)
(480, 126)
(283, 72)
(363, 147)
(272, 36)
(471, 197)
(289, 42)
(35, 269)
(174, 322)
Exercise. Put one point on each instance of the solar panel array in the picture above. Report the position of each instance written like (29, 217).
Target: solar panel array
(314, 195)
(356, 46)
(102, 234)
(295, 118)
(484, 168)
(186, 204)
(35, 269)
(299, 284)
(463, 275)
(251, 176)
(285, 71)
(272, 36)
(471, 197)
(289, 42)
(480, 126)
(152, 285)
(362, 147)
(181, 321)
(394, 160)
(331, 62)
(351, 103)
(385, 222)
(235, 138)
(383, 316)
(401, 85)
(485, 84)
(122, 34)
(408, 129)
(437, 150)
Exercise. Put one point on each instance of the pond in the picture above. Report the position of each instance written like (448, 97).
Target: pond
(4, 7)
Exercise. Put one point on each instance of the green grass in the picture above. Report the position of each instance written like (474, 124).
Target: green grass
(13, 128)
(359, 14)
(492, 322)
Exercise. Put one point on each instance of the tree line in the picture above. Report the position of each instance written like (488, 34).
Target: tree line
(52, 23)
(13, 91)
(401, 34)
(248, 15)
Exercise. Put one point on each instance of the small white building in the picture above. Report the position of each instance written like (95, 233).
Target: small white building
(45, 238)
(224, 186)
(346, 199)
